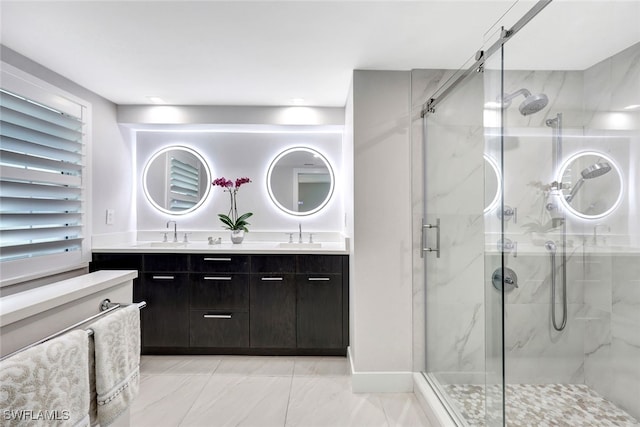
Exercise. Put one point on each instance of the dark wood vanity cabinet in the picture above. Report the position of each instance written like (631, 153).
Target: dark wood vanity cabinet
(165, 288)
(219, 302)
(273, 302)
(239, 304)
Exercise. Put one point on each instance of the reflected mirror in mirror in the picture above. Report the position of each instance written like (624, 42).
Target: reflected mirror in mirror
(591, 185)
(176, 180)
(491, 184)
(300, 181)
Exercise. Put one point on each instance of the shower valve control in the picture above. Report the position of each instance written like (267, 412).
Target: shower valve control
(504, 278)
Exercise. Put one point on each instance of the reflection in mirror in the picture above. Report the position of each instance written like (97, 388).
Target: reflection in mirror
(300, 181)
(491, 184)
(176, 180)
(591, 185)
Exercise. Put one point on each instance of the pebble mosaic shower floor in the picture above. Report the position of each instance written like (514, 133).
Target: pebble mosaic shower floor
(541, 405)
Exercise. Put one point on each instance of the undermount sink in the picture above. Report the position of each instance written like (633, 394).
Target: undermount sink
(300, 245)
(164, 245)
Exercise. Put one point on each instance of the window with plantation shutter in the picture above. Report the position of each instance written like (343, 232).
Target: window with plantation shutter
(42, 167)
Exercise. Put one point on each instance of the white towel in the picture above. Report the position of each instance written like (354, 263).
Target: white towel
(117, 362)
(48, 384)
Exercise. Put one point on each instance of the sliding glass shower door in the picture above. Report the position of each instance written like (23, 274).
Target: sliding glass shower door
(461, 188)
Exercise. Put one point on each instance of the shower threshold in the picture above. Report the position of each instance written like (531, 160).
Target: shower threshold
(539, 404)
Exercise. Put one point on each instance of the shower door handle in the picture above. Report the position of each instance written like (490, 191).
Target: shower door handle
(430, 227)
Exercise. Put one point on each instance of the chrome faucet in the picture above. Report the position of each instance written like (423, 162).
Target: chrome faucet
(299, 232)
(175, 230)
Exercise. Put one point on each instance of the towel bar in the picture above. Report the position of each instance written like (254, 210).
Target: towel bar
(106, 306)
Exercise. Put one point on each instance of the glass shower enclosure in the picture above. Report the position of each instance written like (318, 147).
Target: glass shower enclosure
(531, 234)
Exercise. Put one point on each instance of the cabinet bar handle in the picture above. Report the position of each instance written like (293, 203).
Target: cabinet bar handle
(217, 278)
(272, 279)
(319, 279)
(217, 259)
(163, 277)
(217, 316)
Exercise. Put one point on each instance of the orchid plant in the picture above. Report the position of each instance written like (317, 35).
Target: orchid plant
(232, 220)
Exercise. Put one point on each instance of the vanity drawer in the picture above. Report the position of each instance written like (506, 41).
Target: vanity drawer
(206, 263)
(226, 291)
(273, 264)
(102, 261)
(223, 329)
(166, 262)
(320, 264)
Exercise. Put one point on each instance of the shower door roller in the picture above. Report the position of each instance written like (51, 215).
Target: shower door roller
(510, 279)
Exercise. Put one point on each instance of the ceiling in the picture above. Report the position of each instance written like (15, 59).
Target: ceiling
(274, 52)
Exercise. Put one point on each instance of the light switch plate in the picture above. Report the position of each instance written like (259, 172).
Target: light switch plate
(111, 213)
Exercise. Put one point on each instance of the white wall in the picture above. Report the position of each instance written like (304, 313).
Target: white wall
(381, 346)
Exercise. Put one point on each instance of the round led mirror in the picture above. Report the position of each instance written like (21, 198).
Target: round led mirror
(492, 184)
(300, 181)
(591, 185)
(176, 180)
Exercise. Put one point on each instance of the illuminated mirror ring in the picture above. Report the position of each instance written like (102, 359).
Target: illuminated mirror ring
(300, 181)
(492, 180)
(589, 181)
(176, 180)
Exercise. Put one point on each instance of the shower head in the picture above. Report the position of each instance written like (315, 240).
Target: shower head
(531, 104)
(593, 171)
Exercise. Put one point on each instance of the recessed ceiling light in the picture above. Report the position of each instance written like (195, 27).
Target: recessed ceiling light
(156, 99)
(297, 101)
(632, 107)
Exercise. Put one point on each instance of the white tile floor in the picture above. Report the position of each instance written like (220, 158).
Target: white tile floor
(217, 391)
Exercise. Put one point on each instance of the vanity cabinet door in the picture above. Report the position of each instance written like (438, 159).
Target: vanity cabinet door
(273, 311)
(165, 319)
(319, 311)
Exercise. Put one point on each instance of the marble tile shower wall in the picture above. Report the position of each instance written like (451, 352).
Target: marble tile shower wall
(612, 281)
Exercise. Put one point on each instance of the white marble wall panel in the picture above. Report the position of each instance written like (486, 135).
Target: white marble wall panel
(625, 369)
(538, 354)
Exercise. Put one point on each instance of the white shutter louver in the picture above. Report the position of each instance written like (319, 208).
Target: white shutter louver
(184, 181)
(41, 179)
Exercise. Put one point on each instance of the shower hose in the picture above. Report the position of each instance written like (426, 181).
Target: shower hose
(552, 255)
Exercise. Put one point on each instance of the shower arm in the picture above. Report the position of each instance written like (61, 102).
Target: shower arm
(509, 98)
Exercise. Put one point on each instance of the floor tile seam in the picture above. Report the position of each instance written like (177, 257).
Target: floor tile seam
(252, 375)
(188, 411)
(286, 412)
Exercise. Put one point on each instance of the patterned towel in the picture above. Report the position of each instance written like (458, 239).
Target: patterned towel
(117, 362)
(47, 385)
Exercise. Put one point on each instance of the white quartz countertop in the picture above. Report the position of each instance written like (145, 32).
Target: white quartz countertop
(246, 247)
(28, 303)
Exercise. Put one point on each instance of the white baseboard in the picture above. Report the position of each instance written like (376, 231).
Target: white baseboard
(380, 382)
